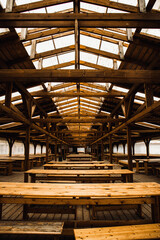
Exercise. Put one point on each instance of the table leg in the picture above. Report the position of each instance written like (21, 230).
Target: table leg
(25, 177)
(1, 207)
(146, 168)
(33, 178)
(137, 167)
(25, 212)
(156, 210)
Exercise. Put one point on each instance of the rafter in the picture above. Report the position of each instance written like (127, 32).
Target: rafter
(110, 75)
(119, 20)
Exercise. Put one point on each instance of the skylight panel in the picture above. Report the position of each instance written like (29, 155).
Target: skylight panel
(154, 32)
(67, 57)
(111, 10)
(4, 30)
(109, 47)
(35, 64)
(85, 67)
(68, 67)
(92, 58)
(48, 62)
(28, 49)
(92, 7)
(89, 41)
(44, 46)
(39, 10)
(59, 7)
(64, 41)
(21, 2)
(130, 2)
(106, 62)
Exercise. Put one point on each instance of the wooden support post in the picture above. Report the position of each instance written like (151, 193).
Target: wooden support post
(35, 145)
(10, 142)
(40, 63)
(148, 94)
(23, 33)
(121, 52)
(47, 148)
(124, 149)
(133, 148)
(129, 147)
(147, 141)
(8, 95)
(9, 5)
(110, 149)
(129, 34)
(142, 5)
(27, 143)
(41, 148)
(55, 151)
(102, 151)
(33, 49)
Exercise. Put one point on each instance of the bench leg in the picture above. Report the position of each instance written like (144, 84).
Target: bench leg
(139, 211)
(155, 207)
(1, 208)
(25, 212)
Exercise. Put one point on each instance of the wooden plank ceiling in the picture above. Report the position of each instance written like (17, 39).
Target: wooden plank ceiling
(85, 111)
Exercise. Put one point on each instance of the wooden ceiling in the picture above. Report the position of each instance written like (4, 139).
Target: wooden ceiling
(65, 101)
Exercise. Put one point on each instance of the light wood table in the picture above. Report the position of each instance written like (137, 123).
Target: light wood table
(146, 164)
(78, 175)
(118, 194)
(31, 228)
(79, 166)
(141, 232)
(78, 162)
(8, 163)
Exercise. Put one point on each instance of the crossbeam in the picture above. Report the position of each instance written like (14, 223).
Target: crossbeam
(115, 20)
(110, 75)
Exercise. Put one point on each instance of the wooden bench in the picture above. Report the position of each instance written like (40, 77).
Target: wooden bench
(79, 166)
(158, 171)
(98, 175)
(117, 194)
(3, 170)
(31, 228)
(146, 231)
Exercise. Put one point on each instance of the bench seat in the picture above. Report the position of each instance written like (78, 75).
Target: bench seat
(28, 228)
(146, 231)
(4, 170)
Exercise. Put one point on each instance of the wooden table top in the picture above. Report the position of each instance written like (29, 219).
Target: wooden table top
(148, 160)
(28, 227)
(79, 155)
(80, 165)
(79, 172)
(6, 160)
(100, 190)
(79, 162)
(145, 231)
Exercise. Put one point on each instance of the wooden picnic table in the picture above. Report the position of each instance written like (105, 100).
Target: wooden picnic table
(79, 157)
(8, 163)
(146, 164)
(78, 175)
(79, 162)
(79, 166)
(118, 194)
(141, 232)
(30, 228)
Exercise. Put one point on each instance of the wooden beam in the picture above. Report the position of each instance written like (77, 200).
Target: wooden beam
(138, 117)
(79, 94)
(20, 118)
(114, 5)
(110, 75)
(83, 120)
(115, 20)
